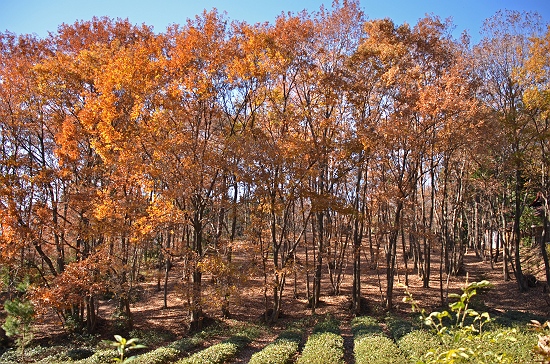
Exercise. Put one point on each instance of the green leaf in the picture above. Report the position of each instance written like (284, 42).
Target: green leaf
(131, 341)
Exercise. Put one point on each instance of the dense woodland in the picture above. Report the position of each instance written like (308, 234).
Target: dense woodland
(321, 139)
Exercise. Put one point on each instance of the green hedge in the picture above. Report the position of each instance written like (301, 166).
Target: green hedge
(281, 351)
(365, 325)
(162, 355)
(99, 357)
(169, 354)
(215, 354)
(218, 353)
(324, 345)
(323, 348)
(398, 327)
(493, 346)
(418, 342)
(377, 349)
(328, 324)
(515, 346)
(370, 345)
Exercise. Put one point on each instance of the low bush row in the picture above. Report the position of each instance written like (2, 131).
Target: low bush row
(215, 354)
(281, 351)
(325, 345)
(494, 346)
(242, 334)
(377, 349)
(417, 343)
(220, 353)
(99, 357)
(370, 345)
(398, 327)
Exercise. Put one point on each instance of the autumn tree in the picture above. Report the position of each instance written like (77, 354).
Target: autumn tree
(499, 55)
(535, 74)
(27, 168)
(279, 163)
(323, 108)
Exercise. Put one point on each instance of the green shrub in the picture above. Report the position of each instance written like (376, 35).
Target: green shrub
(370, 343)
(99, 357)
(329, 324)
(321, 348)
(496, 346)
(169, 353)
(152, 337)
(19, 322)
(398, 327)
(187, 343)
(79, 353)
(324, 345)
(162, 355)
(224, 351)
(215, 354)
(516, 318)
(418, 342)
(377, 349)
(281, 351)
(36, 354)
(365, 325)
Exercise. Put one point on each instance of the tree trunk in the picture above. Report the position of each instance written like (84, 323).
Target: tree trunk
(318, 261)
(357, 239)
(390, 255)
(91, 318)
(517, 233)
(196, 276)
(545, 238)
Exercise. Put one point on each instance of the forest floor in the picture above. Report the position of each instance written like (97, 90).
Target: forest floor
(248, 304)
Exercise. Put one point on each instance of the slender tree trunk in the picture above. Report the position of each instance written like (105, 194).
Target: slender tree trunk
(91, 318)
(391, 254)
(196, 275)
(545, 238)
(517, 232)
(319, 260)
(357, 239)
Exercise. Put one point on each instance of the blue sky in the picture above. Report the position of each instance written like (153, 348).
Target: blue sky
(43, 16)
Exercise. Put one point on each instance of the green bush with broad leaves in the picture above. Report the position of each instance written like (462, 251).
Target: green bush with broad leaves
(462, 335)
